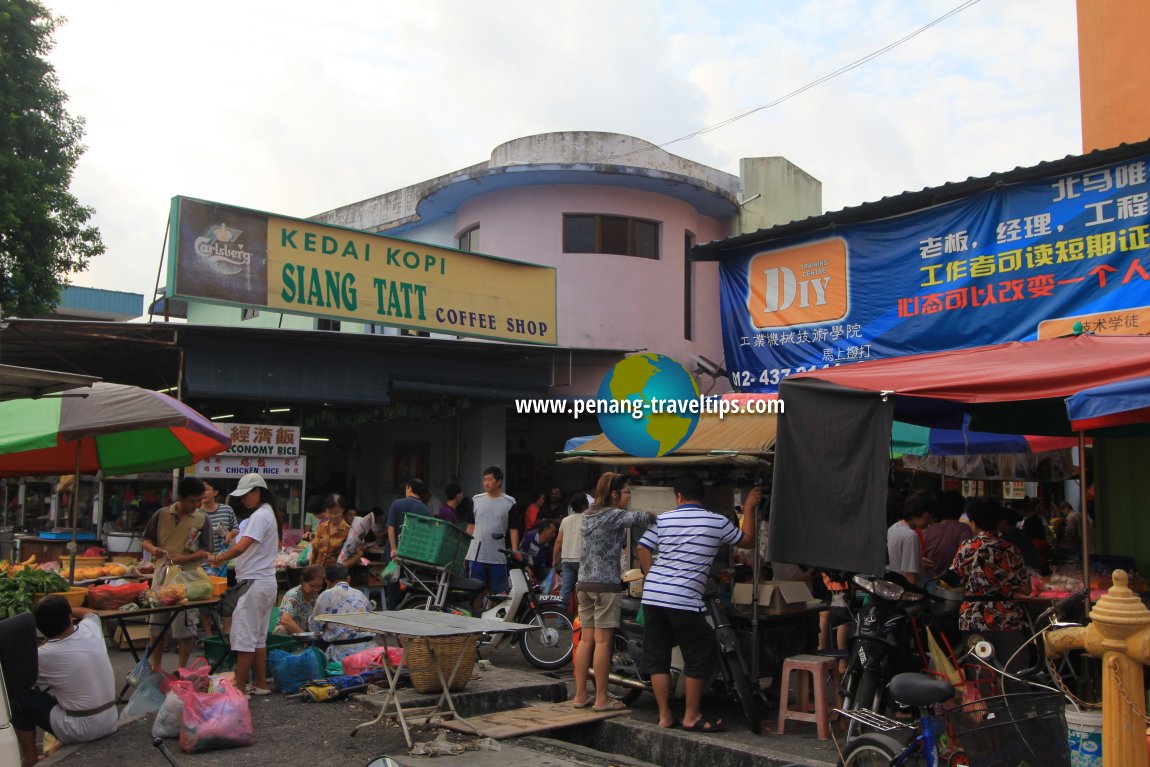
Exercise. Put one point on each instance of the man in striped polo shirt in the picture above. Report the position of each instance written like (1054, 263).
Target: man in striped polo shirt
(686, 539)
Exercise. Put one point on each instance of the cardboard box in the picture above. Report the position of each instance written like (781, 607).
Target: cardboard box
(774, 596)
(137, 637)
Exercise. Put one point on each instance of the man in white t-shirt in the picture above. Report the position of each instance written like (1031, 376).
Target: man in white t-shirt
(903, 545)
(74, 665)
(490, 531)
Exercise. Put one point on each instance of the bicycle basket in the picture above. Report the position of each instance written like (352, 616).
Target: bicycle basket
(1012, 730)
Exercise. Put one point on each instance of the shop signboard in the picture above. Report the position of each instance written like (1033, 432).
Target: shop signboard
(239, 257)
(261, 440)
(235, 466)
(1037, 259)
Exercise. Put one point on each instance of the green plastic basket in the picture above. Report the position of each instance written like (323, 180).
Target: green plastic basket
(433, 541)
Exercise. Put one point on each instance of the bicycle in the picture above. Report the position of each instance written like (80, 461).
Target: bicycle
(972, 732)
(549, 646)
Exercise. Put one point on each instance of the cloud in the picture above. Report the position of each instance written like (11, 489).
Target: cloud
(296, 108)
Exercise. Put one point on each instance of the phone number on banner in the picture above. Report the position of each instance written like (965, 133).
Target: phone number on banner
(771, 377)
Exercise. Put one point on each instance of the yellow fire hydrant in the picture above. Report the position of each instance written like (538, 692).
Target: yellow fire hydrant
(1119, 634)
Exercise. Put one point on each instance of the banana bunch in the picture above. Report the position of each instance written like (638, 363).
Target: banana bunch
(8, 569)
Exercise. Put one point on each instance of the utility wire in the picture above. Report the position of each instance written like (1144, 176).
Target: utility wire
(840, 71)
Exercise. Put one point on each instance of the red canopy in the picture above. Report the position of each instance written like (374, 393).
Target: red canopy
(1057, 367)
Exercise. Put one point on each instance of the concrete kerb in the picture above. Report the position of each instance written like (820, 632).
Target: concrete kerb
(676, 748)
(495, 690)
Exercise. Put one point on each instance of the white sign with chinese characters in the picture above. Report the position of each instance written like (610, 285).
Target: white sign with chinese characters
(235, 466)
(251, 439)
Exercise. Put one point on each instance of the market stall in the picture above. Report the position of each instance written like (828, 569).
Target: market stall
(106, 427)
(833, 446)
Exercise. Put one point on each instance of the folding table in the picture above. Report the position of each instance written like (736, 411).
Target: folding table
(406, 625)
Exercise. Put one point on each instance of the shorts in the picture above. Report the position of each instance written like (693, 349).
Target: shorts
(252, 615)
(184, 624)
(494, 575)
(599, 609)
(663, 628)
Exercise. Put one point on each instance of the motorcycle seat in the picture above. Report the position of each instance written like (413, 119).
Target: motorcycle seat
(913, 689)
(470, 585)
(629, 606)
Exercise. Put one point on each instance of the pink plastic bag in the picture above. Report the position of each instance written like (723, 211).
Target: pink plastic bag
(197, 673)
(216, 720)
(372, 657)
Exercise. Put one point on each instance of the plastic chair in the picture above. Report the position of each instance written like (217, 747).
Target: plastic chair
(823, 673)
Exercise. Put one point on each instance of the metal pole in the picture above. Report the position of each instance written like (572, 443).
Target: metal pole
(75, 505)
(1085, 524)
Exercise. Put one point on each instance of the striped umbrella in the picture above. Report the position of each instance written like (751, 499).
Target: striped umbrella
(109, 427)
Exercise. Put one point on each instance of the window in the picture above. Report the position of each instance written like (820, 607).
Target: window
(688, 288)
(248, 314)
(469, 239)
(619, 235)
(322, 324)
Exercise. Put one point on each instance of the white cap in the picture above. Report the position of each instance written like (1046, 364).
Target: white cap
(248, 483)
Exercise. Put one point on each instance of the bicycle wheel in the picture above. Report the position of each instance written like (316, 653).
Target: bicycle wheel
(550, 645)
(415, 602)
(874, 750)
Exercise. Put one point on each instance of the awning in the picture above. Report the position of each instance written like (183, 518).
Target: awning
(20, 382)
(734, 440)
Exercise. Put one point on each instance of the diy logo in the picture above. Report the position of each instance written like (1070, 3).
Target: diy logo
(803, 285)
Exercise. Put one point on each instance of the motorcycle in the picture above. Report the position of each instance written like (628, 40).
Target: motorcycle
(881, 643)
(626, 683)
(548, 647)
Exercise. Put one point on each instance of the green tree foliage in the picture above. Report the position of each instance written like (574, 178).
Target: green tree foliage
(44, 230)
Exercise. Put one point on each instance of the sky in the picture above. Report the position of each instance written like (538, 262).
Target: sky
(300, 107)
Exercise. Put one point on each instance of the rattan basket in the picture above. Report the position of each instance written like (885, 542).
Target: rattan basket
(447, 649)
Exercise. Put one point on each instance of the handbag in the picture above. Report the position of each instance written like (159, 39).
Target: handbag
(231, 598)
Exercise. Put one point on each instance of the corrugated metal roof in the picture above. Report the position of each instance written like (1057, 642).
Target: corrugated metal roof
(909, 202)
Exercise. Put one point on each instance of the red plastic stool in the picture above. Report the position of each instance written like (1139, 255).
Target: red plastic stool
(822, 670)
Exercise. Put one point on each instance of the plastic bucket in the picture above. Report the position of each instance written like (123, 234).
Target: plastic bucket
(124, 543)
(1084, 736)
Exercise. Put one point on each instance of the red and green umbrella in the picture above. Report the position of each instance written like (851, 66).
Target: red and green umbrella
(109, 427)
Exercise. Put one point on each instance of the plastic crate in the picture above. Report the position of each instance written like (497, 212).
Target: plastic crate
(433, 541)
(215, 648)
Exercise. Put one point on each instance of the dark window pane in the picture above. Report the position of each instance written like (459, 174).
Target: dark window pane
(578, 234)
(614, 235)
(646, 239)
(469, 240)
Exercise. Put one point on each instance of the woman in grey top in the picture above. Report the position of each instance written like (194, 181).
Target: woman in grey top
(600, 577)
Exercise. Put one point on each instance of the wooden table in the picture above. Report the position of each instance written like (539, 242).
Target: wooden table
(404, 625)
(124, 617)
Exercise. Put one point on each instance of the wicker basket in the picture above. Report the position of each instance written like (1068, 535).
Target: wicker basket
(447, 649)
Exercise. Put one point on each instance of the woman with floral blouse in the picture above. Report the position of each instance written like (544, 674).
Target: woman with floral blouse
(991, 572)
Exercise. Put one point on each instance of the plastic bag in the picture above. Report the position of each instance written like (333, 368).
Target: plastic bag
(197, 584)
(334, 668)
(390, 573)
(357, 663)
(173, 591)
(304, 555)
(216, 682)
(149, 693)
(197, 674)
(168, 718)
(114, 597)
(552, 583)
(216, 720)
(293, 671)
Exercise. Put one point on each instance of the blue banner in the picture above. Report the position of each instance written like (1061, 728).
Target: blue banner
(1024, 261)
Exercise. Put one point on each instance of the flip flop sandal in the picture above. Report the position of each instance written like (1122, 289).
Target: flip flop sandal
(585, 704)
(706, 725)
(612, 706)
